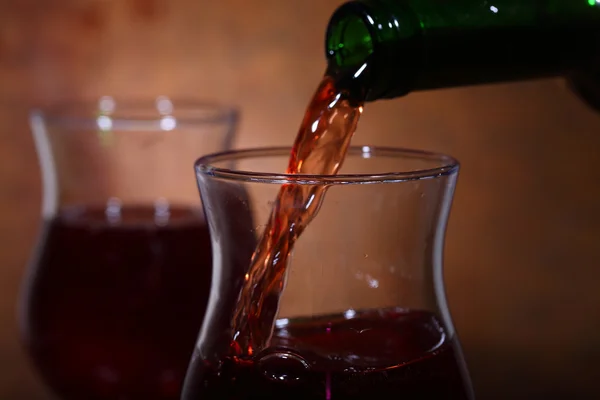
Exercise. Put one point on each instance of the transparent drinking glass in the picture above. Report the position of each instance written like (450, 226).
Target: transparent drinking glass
(118, 283)
(362, 312)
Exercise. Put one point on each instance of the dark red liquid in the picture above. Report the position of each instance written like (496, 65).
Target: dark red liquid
(113, 309)
(376, 355)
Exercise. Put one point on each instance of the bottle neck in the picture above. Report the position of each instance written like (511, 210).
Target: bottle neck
(375, 48)
(419, 45)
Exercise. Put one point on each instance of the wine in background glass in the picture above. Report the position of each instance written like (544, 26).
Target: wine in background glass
(118, 283)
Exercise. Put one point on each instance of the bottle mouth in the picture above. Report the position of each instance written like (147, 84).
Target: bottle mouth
(375, 47)
(348, 41)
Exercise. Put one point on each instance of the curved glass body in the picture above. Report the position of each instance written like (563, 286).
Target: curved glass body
(362, 312)
(116, 289)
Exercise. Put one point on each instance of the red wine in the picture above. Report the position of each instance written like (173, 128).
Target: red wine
(373, 355)
(320, 148)
(115, 303)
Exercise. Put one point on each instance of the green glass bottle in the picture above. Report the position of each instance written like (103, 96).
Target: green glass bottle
(394, 47)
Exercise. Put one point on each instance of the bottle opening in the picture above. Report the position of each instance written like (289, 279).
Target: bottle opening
(348, 41)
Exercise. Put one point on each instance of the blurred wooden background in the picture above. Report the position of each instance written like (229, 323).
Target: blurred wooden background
(522, 268)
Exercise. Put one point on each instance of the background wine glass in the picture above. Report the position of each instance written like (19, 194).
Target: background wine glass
(117, 285)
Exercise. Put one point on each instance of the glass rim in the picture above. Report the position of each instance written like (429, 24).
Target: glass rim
(448, 166)
(124, 109)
